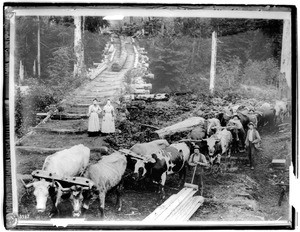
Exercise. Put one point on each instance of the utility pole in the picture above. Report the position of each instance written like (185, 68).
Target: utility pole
(213, 62)
(285, 67)
(39, 49)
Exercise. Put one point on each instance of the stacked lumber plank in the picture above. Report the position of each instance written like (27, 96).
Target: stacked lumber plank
(278, 163)
(178, 207)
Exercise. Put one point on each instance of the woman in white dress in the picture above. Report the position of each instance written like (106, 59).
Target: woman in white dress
(108, 120)
(94, 122)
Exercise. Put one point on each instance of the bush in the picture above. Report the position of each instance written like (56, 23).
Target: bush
(26, 106)
(228, 73)
(261, 73)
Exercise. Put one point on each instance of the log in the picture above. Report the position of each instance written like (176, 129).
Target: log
(152, 97)
(142, 86)
(141, 91)
(150, 126)
(59, 131)
(45, 150)
(186, 125)
(62, 116)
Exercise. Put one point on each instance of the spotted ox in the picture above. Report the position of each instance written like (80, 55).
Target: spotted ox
(219, 144)
(107, 176)
(65, 163)
(144, 151)
(167, 161)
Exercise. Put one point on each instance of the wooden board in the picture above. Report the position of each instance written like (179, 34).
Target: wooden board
(164, 210)
(177, 206)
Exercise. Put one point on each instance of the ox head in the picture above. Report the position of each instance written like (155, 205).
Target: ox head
(213, 144)
(140, 169)
(41, 193)
(79, 196)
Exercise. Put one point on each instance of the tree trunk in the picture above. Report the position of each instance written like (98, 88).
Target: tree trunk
(213, 61)
(286, 51)
(39, 49)
(78, 46)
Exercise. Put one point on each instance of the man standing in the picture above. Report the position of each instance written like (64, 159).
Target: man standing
(252, 140)
(195, 159)
(238, 130)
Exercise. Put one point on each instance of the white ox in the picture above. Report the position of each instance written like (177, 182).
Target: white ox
(213, 123)
(219, 144)
(281, 109)
(66, 163)
(106, 175)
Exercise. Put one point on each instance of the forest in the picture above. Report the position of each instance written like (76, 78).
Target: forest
(179, 49)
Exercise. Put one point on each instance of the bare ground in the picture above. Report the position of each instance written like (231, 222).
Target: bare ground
(239, 195)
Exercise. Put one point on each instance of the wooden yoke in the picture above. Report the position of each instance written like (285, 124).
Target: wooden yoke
(54, 177)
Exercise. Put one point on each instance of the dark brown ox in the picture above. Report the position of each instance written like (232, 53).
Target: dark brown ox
(106, 175)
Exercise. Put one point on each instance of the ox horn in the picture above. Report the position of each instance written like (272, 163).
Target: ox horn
(27, 185)
(61, 188)
(151, 160)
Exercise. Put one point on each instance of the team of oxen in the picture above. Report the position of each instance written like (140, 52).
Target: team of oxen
(153, 160)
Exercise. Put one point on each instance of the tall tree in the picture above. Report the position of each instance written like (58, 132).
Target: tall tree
(78, 47)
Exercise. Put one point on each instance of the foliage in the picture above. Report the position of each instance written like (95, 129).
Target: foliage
(39, 96)
(228, 73)
(261, 73)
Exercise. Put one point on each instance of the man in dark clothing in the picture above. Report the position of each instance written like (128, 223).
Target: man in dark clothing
(252, 140)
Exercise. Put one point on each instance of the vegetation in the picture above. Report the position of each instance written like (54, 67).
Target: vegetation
(248, 54)
(57, 61)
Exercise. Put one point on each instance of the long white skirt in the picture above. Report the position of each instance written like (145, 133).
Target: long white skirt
(108, 124)
(94, 123)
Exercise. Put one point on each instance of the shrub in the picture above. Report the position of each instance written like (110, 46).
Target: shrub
(228, 73)
(26, 106)
(261, 73)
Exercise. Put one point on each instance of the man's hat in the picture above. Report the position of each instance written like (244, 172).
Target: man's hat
(196, 147)
(251, 123)
(235, 115)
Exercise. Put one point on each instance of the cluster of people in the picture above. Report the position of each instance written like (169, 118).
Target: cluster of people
(108, 119)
